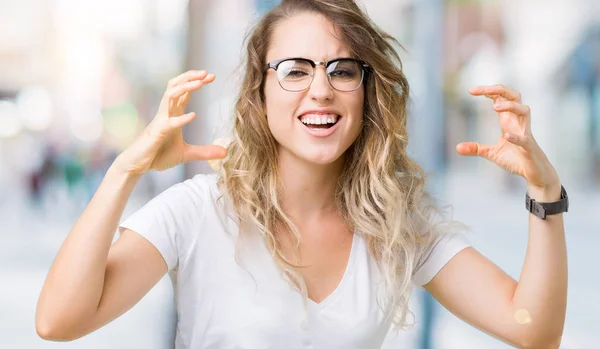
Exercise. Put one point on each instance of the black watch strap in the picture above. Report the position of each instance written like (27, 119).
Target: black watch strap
(543, 209)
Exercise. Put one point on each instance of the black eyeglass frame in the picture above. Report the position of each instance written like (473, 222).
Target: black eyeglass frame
(275, 65)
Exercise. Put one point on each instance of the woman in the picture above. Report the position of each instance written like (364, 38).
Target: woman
(317, 226)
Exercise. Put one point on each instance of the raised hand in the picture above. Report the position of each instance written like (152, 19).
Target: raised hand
(517, 150)
(161, 145)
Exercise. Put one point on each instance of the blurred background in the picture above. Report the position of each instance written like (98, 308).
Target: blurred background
(80, 79)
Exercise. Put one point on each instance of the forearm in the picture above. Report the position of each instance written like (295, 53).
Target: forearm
(540, 298)
(75, 281)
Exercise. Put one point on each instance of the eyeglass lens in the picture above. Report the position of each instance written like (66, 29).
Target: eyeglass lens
(297, 75)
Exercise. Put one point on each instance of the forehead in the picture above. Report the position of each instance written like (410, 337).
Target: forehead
(307, 35)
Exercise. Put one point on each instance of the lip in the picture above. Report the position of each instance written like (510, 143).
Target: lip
(322, 132)
(320, 111)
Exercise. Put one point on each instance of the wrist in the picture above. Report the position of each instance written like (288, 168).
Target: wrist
(546, 193)
(119, 169)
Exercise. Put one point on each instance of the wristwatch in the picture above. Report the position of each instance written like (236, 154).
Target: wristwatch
(543, 209)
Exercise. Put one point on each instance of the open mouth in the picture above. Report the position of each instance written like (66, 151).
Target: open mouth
(320, 121)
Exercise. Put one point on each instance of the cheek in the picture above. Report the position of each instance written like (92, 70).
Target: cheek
(357, 105)
(356, 109)
(280, 105)
(360, 105)
(273, 98)
(270, 95)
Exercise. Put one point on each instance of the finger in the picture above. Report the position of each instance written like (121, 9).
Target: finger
(179, 90)
(496, 90)
(203, 152)
(188, 76)
(514, 107)
(174, 93)
(183, 100)
(495, 98)
(473, 149)
(480, 91)
(209, 78)
(524, 142)
(186, 96)
(178, 121)
(218, 163)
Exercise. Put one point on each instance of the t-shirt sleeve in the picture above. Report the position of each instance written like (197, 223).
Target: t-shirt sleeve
(169, 221)
(435, 257)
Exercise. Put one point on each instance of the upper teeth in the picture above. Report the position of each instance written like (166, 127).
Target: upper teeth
(319, 120)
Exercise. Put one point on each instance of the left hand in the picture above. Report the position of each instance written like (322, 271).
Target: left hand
(517, 150)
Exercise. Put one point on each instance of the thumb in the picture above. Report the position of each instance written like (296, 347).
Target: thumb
(473, 149)
(203, 152)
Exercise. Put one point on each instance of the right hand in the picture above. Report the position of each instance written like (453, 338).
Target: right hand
(161, 145)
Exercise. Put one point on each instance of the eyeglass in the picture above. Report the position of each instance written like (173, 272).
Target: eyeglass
(297, 74)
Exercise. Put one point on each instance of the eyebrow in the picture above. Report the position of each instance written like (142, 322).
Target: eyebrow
(309, 59)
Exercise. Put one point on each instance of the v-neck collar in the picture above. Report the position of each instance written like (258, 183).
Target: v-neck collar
(342, 284)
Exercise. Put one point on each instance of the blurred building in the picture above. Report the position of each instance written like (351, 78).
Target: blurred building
(79, 79)
(578, 79)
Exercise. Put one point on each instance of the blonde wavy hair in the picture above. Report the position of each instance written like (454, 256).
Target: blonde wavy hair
(380, 193)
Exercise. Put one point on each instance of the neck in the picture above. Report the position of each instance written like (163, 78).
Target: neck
(308, 189)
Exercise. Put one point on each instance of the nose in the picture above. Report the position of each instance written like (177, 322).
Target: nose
(320, 89)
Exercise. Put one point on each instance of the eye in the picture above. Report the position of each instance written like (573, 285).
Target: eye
(341, 73)
(296, 73)
(293, 70)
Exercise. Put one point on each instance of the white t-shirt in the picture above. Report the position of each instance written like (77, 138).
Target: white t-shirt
(226, 302)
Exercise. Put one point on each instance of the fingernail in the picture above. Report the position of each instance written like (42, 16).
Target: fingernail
(210, 76)
(498, 105)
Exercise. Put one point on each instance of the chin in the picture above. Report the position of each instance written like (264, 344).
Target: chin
(321, 157)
